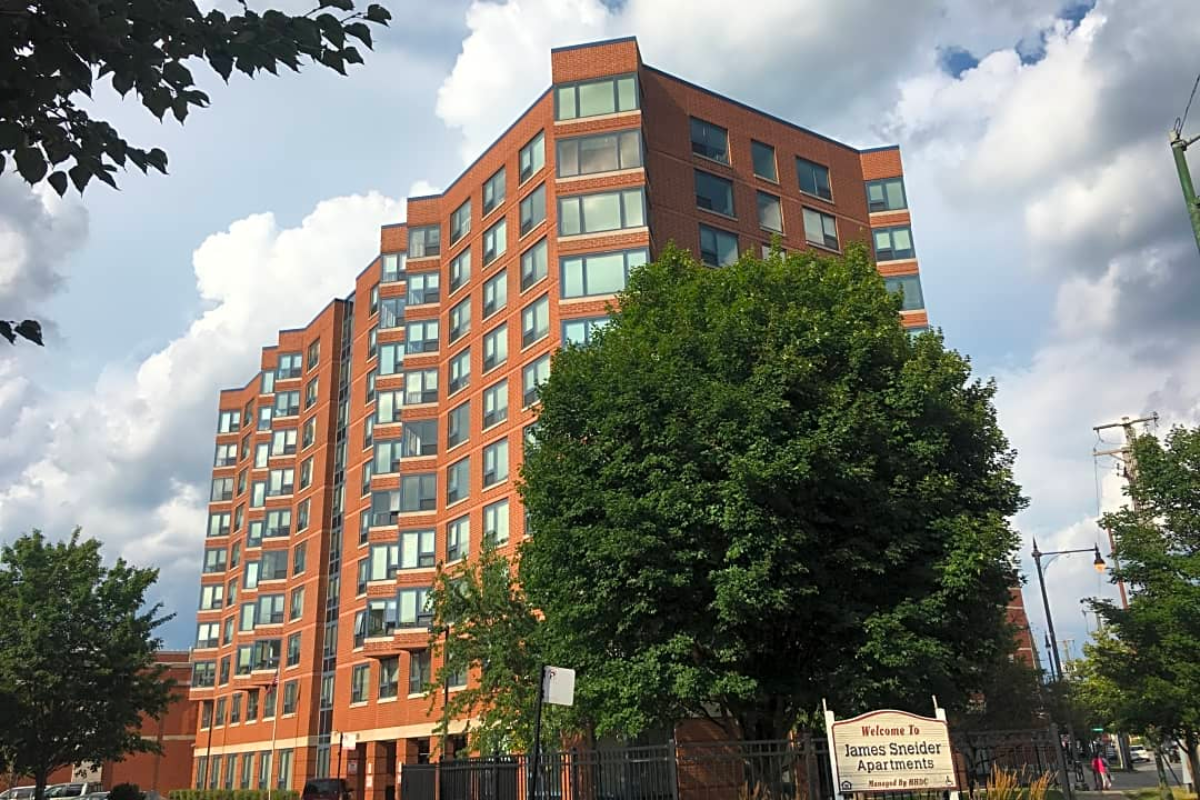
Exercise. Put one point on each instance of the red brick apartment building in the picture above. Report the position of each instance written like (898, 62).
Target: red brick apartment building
(383, 438)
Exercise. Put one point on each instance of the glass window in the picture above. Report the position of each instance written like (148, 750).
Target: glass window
(495, 403)
(714, 193)
(288, 366)
(287, 404)
(393, 267)
(360, 679)
(387, 456)
(222, 489)
(204, 673)
(459, 371)
(373, 300)
(420, 386)
(495, 347)
(419, 671)
(495, 523)
(391, 313)
(418, 492)
(245, 653)
(314, 355)
(389, 677)
(910, 287)
(270, 611)
(226, 456)
(532, 157)
(208, 634)
(458, 480)
(460, 270)
(532, 376)
(229, 421)
(308, 436)
(814, 178)
(283, 443)
(533, 209)
(267, 382)
(290, 693)
(495, 463)
(580, 331)
(763, 158)
(300, 553)
(310, 393)
(282, 482)
(306, 472)
(214, 560)
(534, 264)
(302, 511)
(493, 192)
(460, 320)
(458, 425)
(535, 321)
(770, 215)
(385, 507)
(424, 241)
(600, 273)
(273, 566)
(420, 337)
(820, 229)
(293, 650)
(385, 561)
(495, 293)
(414, 611)
(423, 288)
(458, 538)
(886, 195)
(718, 248)
(460, 222)
(606, 152)
(495, 241)
(595, 97)
(218, 523)
(417, 549)
(710, 141)
(419, 438)
(603, 211)
(892, 244)
(264, 418)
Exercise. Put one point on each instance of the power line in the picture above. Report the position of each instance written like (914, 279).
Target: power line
(1179, 123)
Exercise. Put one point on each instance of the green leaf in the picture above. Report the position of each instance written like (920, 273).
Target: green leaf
(341, 5)
(222, 63)
(30, 164)
(379, 14)
(11, 135)
(360, 31)
(80, 175)
(58, 180)
(7, 332)
(31, 329)
(157, 159)
(331, 27)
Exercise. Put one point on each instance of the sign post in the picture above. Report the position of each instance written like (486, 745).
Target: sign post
(557, 687)
(891, 751)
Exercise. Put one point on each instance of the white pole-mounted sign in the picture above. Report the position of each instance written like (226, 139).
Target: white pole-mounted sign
(891, 751)
(558, 686)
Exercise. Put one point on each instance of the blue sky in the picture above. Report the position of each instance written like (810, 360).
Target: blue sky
(1054, 248)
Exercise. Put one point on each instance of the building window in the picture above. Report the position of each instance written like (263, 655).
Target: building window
(417, 549)
(458, 425)
(820, 229)
(460, 320)
(288, 366)
(387, 457)
(218, 523)
(814, 179)
(580, 331)
(302, 511)
(460, 222)
(264, 760)
(250, 575)
(306, 471)
(763, 158)
(208, 634)
(391, 313)
(293, 650)
(389, 677)
(273, 566)
(893, 244)
(264, 418)
(235, 715)
(419, 438)
(714, 194)
(606, 152)
(458, 538)
(393, 267)
(414, 610)
(296, 603)
(886, 195)
(215, 775)
(258, 494)
(282, 482)
(229, 421)
(373, 342)
(493, 192)
(709, 140)
(423, 287)
(600, 273)
(533, 376)
(420, 337)
(495, 523)
(214, 560)
(424, 241)
(495, 404)
(770, 215)
(314, 355)
(359, 683)
(495, 294)
(533, 209)
(910, 287)
(495, 242)
(595, 97)
(385, 561)
(495, 463)
(299, 557)
(495, 347)
(226, 456)
(532, 157)
(418, 492)
(600, 212)
(381, 617)
(283, 443)
(372, 377)
(535, 321)
(458, 480)
(718, 248)
(419, 669)
(388, 405)
(373, 301)
(460, 270)
(308, 436)
(202, 761)
(421, 386)
(459, 371)
(364, 576)
(533, 264)
(287, 404)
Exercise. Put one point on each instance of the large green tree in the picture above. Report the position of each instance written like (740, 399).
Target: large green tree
(754, 490)
(77, 666)
(1145, 672)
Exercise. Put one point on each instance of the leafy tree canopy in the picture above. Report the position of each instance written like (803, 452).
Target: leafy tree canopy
(754, 490)
(77, 665)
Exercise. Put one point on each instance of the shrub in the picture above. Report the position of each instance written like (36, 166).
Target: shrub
(125, 791)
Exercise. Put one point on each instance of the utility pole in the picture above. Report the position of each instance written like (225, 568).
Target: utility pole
(1179, 146)
(1125, 455)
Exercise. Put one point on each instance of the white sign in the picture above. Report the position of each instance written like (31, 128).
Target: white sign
(891, 751)
(349, 741)
(558, 686)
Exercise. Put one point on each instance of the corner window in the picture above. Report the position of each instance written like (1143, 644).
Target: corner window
(893, 244)
(460, 320)
(533, 209)
(770, 215)
(580, 331)
(385, 562)
(288, 367)
(535, 321)
(762, 156)
(910, 287)
(423, 288)
(493, 192)
(420, 337)
(718, 248)
(458, 480)
(532, 157)
(606, 152)
(417, 549)
(820, 229)
(419, 438)
(495, 347)
(495, 293)
(218, 523)
(814, 179)
(387, 457)
(600, 212)
(424, 241)
(229, 421)
(595, 97)
(414, 611)
(418, 492)
(495, 241)
(886, 195)
(533, 264)
(385, 507)
(393, 267)
(710, 141)
(391, 313)
(459, 371)
(495, 404)
(420, 386)
(267, 382)
(714, 194)
(599, 273)
(460, 222)
(460, 270)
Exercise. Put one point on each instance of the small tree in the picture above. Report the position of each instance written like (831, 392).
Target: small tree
(77, 656)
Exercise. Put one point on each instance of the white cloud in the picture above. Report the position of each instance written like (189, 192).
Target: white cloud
(38, 230)
(129, 459)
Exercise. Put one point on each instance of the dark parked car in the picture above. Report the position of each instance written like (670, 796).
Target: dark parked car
(326, 789)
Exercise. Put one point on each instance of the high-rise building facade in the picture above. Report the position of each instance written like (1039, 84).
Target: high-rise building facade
(384, 438)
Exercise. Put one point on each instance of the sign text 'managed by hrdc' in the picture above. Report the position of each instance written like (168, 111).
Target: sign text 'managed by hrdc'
(892, 750)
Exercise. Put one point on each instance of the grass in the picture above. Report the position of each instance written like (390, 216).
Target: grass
(1151, 793)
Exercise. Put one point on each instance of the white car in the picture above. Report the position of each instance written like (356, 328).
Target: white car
(18, 793)
(1139, 754)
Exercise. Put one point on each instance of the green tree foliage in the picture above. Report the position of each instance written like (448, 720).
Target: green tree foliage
(55, 49)
(125, 791)
(1145, 674)
(755, 490)
(77, 645)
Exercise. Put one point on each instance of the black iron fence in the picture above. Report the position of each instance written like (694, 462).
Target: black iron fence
(793, 769)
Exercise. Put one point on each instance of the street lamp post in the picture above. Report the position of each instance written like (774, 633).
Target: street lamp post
(1098, 563)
